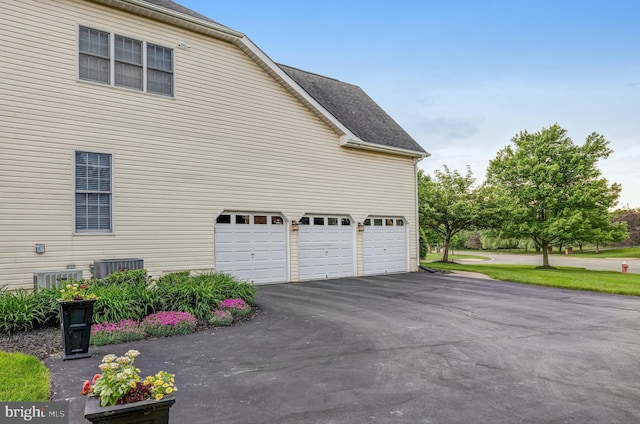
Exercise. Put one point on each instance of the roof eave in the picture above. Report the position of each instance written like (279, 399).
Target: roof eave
(172, 17)
(359, 144)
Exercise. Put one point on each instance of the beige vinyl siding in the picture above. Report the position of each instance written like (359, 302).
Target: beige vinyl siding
(231, 138)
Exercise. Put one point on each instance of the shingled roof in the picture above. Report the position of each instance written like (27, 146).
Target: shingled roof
(355, 109)
(171, 5)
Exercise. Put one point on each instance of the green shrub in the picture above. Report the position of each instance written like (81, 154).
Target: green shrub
(169, 323)
(187, 294)
(124, 295)
(130, 277)
(229, 287)
(47, 300)
(174, 277)
(20, 310)
(220, 318)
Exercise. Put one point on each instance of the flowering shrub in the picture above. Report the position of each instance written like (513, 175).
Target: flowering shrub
(76, 291)
(111, 333)
(237, 307)
(169, 323)
(120, 382)
(220, 317)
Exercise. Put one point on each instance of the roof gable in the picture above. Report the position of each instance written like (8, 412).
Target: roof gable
(348, 110)
(355, 109)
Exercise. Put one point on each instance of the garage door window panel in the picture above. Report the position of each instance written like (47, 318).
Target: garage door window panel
(247, 247)
(325, 248)
(384, 245)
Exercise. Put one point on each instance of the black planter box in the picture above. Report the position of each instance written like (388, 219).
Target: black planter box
(75, 322)
(143, 412)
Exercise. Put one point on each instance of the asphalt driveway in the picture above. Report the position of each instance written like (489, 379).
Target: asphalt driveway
(407, 348)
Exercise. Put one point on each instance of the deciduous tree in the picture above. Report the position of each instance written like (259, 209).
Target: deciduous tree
(448, 204)
(555, 190)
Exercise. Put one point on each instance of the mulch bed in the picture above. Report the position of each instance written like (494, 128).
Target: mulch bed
(45, 343)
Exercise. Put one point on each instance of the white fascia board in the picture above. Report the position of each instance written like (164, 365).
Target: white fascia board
(359, 144)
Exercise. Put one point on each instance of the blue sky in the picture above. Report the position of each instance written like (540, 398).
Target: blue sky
(463, 76)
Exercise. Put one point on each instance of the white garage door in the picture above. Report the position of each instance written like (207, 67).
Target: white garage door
(251, 246)
(325, 247)
(384, 244)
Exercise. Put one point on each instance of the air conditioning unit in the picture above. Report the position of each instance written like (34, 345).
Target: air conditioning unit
(48, 279)
(104, 267)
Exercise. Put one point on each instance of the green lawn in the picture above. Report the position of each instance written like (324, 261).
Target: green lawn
(563, 277)
(438, 256)
(23, 378)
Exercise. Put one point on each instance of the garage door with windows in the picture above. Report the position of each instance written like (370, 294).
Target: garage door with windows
(325, 247)
(384, 244)
(251, 246)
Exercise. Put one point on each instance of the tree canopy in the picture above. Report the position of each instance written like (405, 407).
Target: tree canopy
(632, 218)
(448, 204)
(553, 189)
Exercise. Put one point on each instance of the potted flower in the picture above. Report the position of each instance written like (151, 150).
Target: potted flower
(76, 313)
(118, 395)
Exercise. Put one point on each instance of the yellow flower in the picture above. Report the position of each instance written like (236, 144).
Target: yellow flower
(158, 396)
(132, 384)
(169, 390)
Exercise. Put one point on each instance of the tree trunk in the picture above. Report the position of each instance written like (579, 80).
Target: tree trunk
(545, 254)
(445, 248)
(580, 245)
(537, 248)
(597, 248)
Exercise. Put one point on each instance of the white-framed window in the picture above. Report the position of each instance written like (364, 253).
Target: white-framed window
(120, 61)
(93, 194)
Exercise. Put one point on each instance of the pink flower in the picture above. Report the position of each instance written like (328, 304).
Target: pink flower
(233, 304)
(86, 388)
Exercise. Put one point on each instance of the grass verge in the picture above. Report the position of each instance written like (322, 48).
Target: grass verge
(23, 378)
(456, 257)
(562, 277)
(627, 252)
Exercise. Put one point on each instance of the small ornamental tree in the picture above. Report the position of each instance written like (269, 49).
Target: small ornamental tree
(448, 203)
